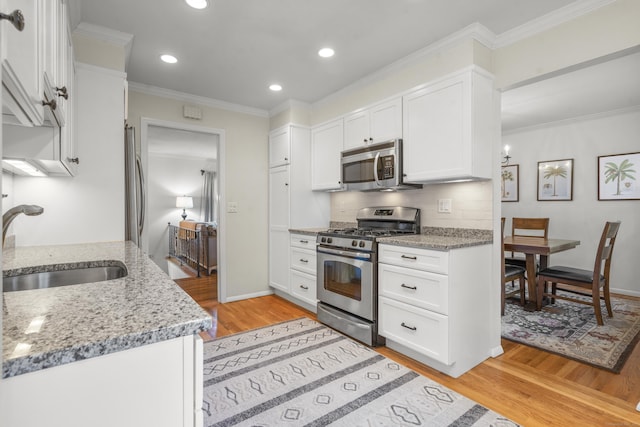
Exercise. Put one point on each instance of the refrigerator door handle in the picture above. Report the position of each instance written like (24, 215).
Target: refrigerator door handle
(143, 204)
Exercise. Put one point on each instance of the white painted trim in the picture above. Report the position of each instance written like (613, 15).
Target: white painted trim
(288, 105)
(548, 21)
(570, 120)
(194, 99)
(248, 296)
(102, 70)
(497, 351)
(145, 122)
(474, 31)
(626, 292)
(118, 38)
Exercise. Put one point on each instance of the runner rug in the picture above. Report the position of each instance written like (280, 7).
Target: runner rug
(571, 330)
(301, 373)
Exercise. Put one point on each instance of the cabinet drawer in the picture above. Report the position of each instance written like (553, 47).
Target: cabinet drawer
(303, 260)
(303, 241)
(420, 288)
(303, 286)
(423, 331)
(422, 259)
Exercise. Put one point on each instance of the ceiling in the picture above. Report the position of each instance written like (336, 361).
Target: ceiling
(233, 50)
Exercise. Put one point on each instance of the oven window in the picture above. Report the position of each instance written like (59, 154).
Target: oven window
(344, 279)
(360, 171)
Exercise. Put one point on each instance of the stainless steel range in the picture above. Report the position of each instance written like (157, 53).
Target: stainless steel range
(348, 270)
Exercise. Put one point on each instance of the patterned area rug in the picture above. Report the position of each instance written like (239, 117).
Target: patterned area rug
(301, 373)
(570, 330)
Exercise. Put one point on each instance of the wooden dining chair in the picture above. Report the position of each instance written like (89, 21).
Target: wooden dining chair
(510, 273)
(591, 280)
(529, 227)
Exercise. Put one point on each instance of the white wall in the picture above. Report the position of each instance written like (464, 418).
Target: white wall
(90, 206)
(582, 218)
(246, 182)
(168, 177)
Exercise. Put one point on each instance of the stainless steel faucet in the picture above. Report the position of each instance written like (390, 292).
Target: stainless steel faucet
(9, 216)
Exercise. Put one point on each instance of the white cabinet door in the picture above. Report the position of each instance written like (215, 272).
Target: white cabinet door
(279, 147)
(448, 129)
(303, 286)
(279, 197)
(386, 121)
(279, 259)
(21, 62)
(326, 145)
(381, 122)
(356, 129)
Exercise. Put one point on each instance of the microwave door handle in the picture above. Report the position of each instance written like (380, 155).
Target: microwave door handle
(375, 169)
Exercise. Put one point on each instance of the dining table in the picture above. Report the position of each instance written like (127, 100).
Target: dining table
(532, 246)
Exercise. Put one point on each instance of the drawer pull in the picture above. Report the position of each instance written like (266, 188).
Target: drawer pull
(413, 328)
(304, 242)
(306, 288)
(408, 257)
(304, 260)
(413, 288)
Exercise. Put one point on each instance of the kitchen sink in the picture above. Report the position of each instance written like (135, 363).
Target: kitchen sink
(69, 276)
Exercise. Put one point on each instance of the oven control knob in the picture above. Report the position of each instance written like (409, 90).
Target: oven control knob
(354, 243)
(362, 244)
(323, 239)
(329, 240)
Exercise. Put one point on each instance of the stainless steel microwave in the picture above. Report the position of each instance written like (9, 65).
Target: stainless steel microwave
(375, 167)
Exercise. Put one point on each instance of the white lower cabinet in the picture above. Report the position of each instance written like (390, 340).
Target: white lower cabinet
(434, 306)
(153, 385)
(302, 272)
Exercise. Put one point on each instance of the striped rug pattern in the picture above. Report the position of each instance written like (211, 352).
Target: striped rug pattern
(302, 373)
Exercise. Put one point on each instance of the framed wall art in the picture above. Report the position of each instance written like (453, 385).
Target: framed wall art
(510, 183)
(618, 177)
(555, 180)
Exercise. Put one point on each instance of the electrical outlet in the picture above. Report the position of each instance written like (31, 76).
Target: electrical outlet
(232, 207)
(444, 205)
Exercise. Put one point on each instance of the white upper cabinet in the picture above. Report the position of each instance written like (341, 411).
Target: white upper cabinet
(378, 123)
(326, 146)
(279, 147)
(22, 66)
(448, 128)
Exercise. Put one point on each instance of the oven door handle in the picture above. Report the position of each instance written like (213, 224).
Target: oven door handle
(349, 254)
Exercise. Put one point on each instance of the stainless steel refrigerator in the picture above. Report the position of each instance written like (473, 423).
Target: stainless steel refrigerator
(134, 188)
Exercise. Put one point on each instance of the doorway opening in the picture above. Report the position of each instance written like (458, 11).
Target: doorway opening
(185, 161)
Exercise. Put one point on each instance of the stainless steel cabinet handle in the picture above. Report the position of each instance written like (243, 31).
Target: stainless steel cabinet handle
(52, 104)
(16, 18)
(413, 328)
(304, 260)
(413, 288)
(306, 288)
(304, 242)
(74, 160)
(408, 257)
(62, 92)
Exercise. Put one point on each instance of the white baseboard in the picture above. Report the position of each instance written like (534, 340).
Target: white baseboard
(247, 296)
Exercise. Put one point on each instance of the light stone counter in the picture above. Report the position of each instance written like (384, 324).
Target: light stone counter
(90, 319)
(442, 239)
(308, 231)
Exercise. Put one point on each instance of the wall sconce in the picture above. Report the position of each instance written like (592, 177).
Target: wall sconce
(184, 202)
(506, 157)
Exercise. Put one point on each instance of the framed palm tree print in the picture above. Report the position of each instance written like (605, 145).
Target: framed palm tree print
(618, 177)
(555, 180)
(510, 183)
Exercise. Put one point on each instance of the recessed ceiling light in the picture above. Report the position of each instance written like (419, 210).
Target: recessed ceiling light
(197, 4)
(275, 87)
(169, 59)
(326, 52)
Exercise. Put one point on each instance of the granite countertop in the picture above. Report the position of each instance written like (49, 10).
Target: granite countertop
(308, 231)
(442, 239)
(90, 319)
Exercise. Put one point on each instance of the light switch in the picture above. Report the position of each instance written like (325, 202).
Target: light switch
(232, 207)
(444, 205)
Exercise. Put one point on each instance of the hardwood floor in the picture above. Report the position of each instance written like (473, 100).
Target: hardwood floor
(531, 387)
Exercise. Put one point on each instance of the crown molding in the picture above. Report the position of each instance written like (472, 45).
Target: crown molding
(194, 99)
(570, 120)
(288, 105)
(476, 31)
(102, 70)
(548, 21)
(114, 37)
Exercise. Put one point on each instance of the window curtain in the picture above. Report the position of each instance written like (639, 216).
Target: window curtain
(208, 197)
